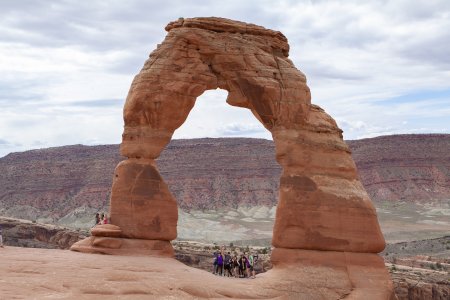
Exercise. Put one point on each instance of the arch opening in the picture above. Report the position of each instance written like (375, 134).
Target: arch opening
(230, 186)
(213, 117)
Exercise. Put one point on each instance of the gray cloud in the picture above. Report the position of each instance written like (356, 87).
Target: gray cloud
(97, 103)
(17, 92)
(241, 129)
(67, 61)
(4, 142)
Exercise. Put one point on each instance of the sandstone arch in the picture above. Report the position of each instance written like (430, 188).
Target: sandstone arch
(324, 216)
(322, 203)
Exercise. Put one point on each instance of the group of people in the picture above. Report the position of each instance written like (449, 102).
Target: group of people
(101, 219)
(233, 266)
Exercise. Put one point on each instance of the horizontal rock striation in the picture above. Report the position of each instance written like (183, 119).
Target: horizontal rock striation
(24, 233)
(213, 174)
(414, 168)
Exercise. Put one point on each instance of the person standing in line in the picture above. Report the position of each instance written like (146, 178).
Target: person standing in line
(220, 264)
(235, 266)
(228, 265)
(241, 266)
(251, 266)
(255, 260)
(215, 263)
(247, 265)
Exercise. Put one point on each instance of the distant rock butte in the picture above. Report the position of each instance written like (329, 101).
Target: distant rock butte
(324, 217)
(413, 167)
(213, 174)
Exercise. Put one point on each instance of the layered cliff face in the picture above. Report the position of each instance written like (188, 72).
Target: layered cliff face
(73, 182)
(414, 168)
(221, 173)
(48, 184)
(24, 233)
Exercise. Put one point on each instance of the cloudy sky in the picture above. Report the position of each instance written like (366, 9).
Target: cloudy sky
(378, 67)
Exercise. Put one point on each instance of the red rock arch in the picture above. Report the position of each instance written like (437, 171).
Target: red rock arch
(322, 204)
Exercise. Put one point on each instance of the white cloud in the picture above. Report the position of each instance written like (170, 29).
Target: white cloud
(213, 117)
(65, 64)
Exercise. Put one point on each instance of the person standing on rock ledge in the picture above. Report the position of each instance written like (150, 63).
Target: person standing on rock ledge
(97, 219)
(1, 238)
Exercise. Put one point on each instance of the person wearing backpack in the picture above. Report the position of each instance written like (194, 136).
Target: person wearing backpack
(228, 264)
(251, 269)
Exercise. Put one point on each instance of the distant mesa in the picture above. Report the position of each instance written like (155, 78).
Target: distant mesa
(324, 216)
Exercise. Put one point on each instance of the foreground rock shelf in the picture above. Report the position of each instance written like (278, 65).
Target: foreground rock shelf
(44, 273)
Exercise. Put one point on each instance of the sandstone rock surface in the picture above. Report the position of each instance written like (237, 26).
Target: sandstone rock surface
(39, 274)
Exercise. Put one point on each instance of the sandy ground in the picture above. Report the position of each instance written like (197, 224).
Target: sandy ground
(27, 273)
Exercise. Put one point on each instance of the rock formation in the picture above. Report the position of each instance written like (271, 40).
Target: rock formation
(322, 205)
(24, 233)
(67, 185)
(412, 168)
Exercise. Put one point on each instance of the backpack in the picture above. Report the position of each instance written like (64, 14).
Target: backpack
(250, 258)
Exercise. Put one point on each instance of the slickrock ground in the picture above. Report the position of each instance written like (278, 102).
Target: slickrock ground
(419, 269)
(61, 274)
